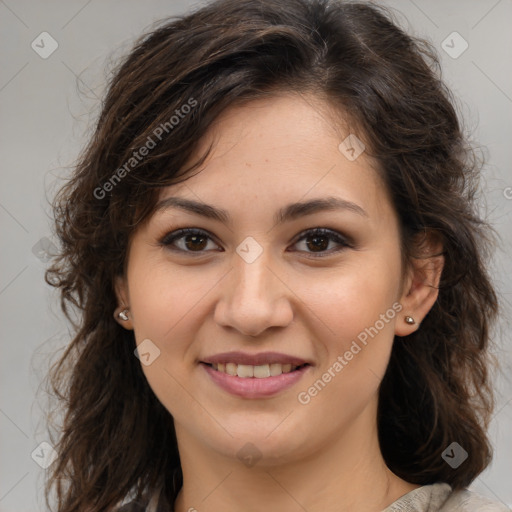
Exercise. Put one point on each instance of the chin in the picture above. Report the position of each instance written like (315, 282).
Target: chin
(269, 446)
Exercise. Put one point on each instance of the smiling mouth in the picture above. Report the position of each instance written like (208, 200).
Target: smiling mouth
(257, 372)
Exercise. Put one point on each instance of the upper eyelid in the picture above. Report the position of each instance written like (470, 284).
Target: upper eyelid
(181, 232)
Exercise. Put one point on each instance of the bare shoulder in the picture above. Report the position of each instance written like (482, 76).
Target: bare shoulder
(469, 501)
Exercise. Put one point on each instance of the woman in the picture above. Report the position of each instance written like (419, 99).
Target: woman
(272, 242)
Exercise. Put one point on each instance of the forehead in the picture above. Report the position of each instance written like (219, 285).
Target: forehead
(283, 149)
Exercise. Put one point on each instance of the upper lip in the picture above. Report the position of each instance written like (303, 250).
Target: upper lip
(254, 359)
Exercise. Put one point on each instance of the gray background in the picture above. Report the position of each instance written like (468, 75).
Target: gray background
(47, 107)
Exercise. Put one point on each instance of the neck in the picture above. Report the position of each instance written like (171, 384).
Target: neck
(346, 473)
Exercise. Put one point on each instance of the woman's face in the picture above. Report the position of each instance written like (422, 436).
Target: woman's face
(256, 280)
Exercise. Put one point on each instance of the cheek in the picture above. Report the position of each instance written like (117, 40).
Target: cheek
(351, 299)
(162, 297)
(163, 305)
(358, 306)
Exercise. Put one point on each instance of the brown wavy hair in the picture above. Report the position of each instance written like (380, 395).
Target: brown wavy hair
(117, 440)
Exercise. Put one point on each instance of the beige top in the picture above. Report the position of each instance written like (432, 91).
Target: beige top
(428, 498)
(440, 498)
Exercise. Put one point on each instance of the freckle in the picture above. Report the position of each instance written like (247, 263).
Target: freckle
(248, 164)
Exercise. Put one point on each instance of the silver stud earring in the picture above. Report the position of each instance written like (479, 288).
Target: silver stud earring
(123, 315)
(409, 320)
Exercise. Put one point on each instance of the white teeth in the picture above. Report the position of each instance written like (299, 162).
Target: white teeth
(259, 372)
(245, 370)
(230, 368)
(276, 369)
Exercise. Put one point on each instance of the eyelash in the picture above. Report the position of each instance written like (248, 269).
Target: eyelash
(170, 238)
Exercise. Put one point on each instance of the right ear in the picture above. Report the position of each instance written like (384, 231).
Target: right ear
(123, 304)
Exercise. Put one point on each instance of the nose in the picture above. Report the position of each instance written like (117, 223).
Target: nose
(253, 298)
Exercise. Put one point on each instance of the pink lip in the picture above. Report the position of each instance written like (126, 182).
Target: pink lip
(254, 359)
(252, 387)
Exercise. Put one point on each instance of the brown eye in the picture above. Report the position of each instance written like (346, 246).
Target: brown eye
(317, 241)
(194, 242)
(187, 240)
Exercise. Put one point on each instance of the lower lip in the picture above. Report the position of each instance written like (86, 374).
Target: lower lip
(252, 387)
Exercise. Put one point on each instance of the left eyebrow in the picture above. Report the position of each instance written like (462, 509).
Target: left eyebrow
(288, 213)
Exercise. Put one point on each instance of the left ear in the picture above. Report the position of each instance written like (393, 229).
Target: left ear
(421, 285)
